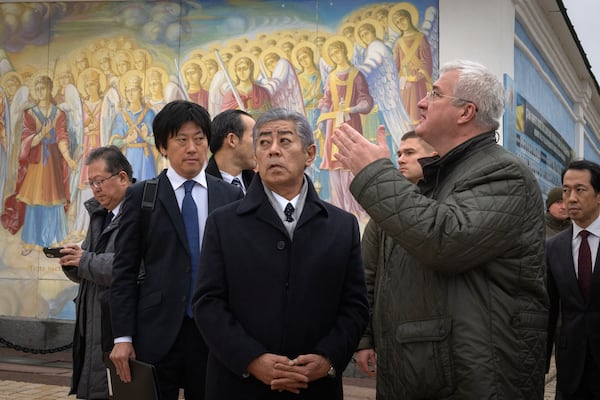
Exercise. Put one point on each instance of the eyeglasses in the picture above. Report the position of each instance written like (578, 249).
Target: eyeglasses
(97, 183)
(432, 94)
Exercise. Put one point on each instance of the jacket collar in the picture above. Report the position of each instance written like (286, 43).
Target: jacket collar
(431, 165)
(256, 201)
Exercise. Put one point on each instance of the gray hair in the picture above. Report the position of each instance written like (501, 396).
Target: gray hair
(480, 86)
(303, 129)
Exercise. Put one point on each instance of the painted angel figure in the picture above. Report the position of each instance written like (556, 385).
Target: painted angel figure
(413, 55)
(160, 89)
(91, 84)
(4, 141)
(244, 92)
(17, 97)
(45, 158)
(345, 99)
(378, 68)
(132, 128)
(192, 71)
(281, 81)
(216, 83)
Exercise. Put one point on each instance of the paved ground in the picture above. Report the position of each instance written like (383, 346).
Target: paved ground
(46, 377)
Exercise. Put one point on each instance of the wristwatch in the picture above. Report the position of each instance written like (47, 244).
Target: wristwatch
(331, 373)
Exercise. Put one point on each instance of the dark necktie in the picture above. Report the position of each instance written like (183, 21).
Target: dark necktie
(107, 219)
(189, 211)
(584, 265)
(289, 211)
(236, 182)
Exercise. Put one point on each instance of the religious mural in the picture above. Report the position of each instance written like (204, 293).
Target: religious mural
(77, 75)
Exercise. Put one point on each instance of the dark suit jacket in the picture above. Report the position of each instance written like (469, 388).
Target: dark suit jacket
(260, 293)
(580, 322)
(152, 312)
(213, 169)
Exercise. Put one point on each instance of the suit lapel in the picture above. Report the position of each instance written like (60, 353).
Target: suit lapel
(596, 277)
(166, 197)
(567, 267)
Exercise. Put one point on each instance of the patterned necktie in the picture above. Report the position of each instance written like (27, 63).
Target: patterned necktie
(236, 182)
(289, 211)
(584, 266)
(189, 211)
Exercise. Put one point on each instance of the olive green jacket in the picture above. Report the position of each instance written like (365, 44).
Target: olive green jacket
(455, 276)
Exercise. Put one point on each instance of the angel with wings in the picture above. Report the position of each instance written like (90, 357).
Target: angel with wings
(378, 68)
(4, 141)
(160, 89)
(132, 127)
(413, 54)
(45, 159)
(281, 81)
(91, 83)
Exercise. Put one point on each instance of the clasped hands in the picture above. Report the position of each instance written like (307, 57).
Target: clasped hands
(281, 373)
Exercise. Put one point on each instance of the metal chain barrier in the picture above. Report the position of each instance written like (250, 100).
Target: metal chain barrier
(24, 349)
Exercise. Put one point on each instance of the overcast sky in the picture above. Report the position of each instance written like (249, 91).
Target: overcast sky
(584, 17)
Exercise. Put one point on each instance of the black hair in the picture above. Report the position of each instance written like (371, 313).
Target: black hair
(113, 157)
(585, 165)
(169, 120)
(223, 123)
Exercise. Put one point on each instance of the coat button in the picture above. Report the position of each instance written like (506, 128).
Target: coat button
(280, 245)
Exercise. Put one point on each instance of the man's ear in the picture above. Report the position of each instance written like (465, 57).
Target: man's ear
(163, 151)
(232, 139)
(468, 113)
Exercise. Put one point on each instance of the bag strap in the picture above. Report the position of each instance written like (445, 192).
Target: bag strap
(148, 203)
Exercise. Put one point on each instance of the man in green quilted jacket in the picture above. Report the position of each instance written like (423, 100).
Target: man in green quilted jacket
(455, 265)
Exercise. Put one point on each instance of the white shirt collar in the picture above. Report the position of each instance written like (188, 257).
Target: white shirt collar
(283, 201)
(593, 228)
(177, 180)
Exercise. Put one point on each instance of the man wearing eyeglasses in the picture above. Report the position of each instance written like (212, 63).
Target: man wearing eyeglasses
(109, 175)
(467, 245)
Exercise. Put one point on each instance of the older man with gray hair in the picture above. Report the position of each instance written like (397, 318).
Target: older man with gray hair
(468, 246)
(280, 298)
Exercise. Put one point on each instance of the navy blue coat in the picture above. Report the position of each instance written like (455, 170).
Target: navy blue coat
(260, 292)
(152, 312)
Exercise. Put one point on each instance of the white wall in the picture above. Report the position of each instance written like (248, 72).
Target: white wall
(479, 30)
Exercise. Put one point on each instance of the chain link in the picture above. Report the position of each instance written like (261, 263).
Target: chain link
(34, 351)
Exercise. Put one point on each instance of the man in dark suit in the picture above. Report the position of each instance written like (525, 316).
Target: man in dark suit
(231, 144)
(574, 286)
(281, 297)
(151, 311)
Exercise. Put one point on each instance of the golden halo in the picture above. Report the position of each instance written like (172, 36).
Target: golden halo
(10, 76)
(372, 21)
(99, 54)
(271, 50)
(126, 77)
(236, 44)
(302, 45)
(412, 10)
(236, 58)
(195, 55)
(145, 53)
(120, 55)
(85, 75)
(347, 25)
(38, 74)
(337, 38)
(164, 78)
(193, 61)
